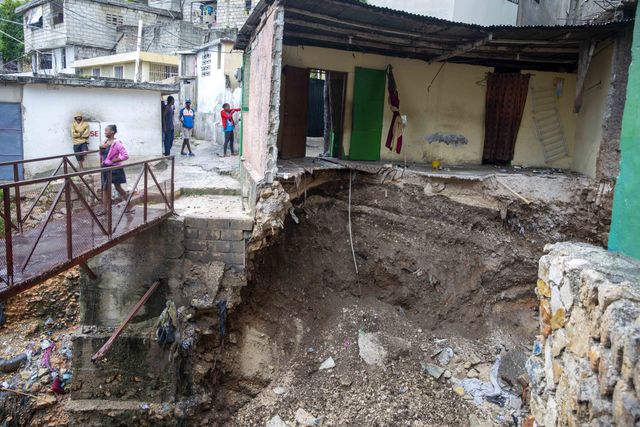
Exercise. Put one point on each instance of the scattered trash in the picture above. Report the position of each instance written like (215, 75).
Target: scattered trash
(10, 365)
(66, 352)
(222, 317)
(434, 370)
(444, 356)
(56, 386)
(492, 391)
(166, 326)
(144, 406)
(311, 350)
(328, 364)
(49, 322)
(48, 348)
(306, 419)
(293, 215)
(280, 391)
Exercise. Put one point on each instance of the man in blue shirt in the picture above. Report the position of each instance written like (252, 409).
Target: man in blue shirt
(186, 118)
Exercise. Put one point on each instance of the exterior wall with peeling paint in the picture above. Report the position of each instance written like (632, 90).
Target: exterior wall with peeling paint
(261, 121)
(455, 105)
(47, 130)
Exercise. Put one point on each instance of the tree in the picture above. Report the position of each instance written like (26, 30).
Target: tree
(10, 48)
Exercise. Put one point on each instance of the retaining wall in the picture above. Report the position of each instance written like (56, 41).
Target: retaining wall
(585, 368)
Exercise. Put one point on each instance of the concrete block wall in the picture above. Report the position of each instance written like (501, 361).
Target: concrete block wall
(219, 239)
(49, 36)
(585, 368)
(87, 21)
(230, 13)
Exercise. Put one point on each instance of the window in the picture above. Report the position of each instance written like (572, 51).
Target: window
(57, 14)
(46, 61)
(118, 72)
(114, 20)
(159, 72)
(95, 72)
(33, 18)
(247, 6)
(220, 56)
(208, 12)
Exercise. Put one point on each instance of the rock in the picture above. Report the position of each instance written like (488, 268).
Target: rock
(434, 370)
(594, 357)
(280, 391)
(543, 289)
(473, 373)
(346, 382)
(444, 356)
(513, 366)
(556, 300)
(327, 364)
(560, 341)
(459, 390)
(447, 374)
(566, 295)
(45, 401)
(306, 419)
(545, 311)
(276, 422)
(377, 349)
(558, 320)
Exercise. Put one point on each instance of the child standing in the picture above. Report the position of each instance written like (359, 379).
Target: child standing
(228, 126)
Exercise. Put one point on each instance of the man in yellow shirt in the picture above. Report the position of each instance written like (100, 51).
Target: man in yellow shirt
(80, 134)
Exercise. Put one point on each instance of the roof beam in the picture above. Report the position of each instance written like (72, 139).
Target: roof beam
(357, 46)
(463, 49)
(364, 35)
(392, 32)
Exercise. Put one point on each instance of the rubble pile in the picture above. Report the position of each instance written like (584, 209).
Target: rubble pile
(585, 368)
(36, 352)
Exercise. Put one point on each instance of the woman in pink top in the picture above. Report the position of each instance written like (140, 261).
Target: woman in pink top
(113, 153)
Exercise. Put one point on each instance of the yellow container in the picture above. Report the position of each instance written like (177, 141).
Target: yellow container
(436, 164)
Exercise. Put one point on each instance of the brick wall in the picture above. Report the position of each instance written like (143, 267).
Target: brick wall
(585, 369)
(208, 240)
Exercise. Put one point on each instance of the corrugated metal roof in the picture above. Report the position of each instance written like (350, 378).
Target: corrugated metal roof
(354, 26)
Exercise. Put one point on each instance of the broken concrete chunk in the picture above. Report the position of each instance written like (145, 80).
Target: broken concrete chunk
(444, 356)
(328, 364)
(306, 419)
(433, 370)
(377, 349)
(45, 401)
(556, 300)
(560, 341)
(513, 366)
(543, 289)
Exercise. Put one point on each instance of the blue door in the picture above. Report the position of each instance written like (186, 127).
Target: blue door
(10, 137)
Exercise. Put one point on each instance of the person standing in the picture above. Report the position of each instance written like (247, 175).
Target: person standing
(113, 153)
(167, 125)
(80, 135)
(187, 116)
(228, 126)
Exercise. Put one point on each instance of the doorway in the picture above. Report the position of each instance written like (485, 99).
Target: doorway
(312, 113)
(506, 98)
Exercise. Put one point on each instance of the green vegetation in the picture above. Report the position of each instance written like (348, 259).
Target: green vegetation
(11, 49)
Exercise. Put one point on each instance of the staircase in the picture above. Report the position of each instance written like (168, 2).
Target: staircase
(546, 118)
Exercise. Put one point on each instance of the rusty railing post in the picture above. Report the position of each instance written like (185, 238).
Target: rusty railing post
(16, 178)
(8, 237)
(173, 175)
(108, 204)
(146, 194)
(68, 206)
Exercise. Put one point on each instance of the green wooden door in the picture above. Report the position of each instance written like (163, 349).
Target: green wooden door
(368, 108)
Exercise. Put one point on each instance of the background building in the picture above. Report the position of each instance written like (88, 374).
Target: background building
(486, 12)
(153, 67)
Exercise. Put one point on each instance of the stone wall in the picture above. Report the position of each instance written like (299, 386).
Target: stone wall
(585, 369)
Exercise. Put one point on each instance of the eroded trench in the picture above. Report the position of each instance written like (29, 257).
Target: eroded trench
(441, 264)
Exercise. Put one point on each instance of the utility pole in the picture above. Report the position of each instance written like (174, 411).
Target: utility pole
(137, 68)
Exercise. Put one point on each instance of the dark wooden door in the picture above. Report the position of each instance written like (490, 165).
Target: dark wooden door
(506, 98)
(294, 113)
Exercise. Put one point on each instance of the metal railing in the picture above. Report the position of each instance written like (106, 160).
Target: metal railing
(62, 220)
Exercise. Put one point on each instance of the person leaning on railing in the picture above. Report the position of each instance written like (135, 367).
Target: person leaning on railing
(80, 134)
(113, 153)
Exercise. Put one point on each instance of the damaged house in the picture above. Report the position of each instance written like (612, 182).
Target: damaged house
(462, 94)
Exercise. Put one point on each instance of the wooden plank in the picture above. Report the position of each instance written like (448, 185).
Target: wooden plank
(586, 53)
(462, 49)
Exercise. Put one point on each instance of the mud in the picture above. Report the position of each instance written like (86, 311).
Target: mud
(455, 266)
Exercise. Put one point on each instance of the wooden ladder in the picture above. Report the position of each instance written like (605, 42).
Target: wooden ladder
(546, 119)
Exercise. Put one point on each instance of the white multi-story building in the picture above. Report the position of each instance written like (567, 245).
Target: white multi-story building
(481, 12)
